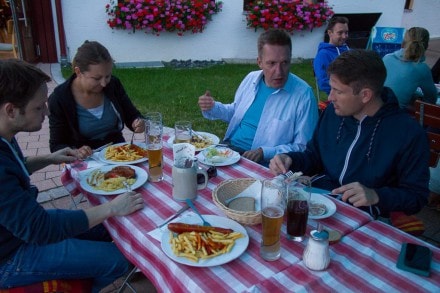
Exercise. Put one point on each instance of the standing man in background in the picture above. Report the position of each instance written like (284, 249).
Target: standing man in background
(337, 31)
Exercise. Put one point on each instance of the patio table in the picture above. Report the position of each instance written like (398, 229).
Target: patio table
(249, 271)
(363, 261)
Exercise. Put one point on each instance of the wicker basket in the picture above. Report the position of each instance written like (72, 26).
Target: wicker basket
(230, 188)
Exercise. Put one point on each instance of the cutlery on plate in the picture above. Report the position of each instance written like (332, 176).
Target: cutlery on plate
(172, 217)
(127, 186)
(316, 177)
(337, 196)
(198, 134)
(102, 147)
(192, 206)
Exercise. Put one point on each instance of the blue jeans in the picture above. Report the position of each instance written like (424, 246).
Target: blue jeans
(68, 259)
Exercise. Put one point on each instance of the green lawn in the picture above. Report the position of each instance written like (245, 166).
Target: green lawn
(174, 92)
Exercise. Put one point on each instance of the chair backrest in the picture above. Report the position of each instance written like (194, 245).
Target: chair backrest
(10, 47)
(428, 116)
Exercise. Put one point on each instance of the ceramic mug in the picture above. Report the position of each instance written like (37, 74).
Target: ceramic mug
(185, 182)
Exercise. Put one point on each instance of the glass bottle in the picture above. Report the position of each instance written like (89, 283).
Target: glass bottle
(316, 254)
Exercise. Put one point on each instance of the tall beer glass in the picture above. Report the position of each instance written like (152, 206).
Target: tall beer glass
(272, 211)
(153, 140)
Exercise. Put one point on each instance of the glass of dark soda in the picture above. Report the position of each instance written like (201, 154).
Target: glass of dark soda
(298, 200)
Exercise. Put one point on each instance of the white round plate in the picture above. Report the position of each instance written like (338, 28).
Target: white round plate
(240, 244)
(214, 138)
(329, 206)
(231, 160)
(102, 158)
(141, 178)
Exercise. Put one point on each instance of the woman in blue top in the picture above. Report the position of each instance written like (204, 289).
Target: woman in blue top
(407, 74)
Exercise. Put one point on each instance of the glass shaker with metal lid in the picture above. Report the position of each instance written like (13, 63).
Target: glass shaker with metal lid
(316, 255)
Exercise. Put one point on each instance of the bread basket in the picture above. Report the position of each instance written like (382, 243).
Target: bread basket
(230, 188)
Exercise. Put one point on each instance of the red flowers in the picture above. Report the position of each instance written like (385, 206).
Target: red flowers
(156, 16)
(290, 15)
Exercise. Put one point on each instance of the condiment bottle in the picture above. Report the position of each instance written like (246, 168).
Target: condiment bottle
(316, 254)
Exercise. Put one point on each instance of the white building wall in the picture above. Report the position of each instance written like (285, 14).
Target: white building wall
(225, 37)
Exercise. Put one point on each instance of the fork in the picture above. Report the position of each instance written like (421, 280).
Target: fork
(197, 134)
(288, 174)
(127, 186)
(132, 137)
(192, 206)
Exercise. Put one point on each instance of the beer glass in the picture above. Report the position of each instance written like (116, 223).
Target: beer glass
(272, 212)
(153, 140)
(298, 200)
(182, 131)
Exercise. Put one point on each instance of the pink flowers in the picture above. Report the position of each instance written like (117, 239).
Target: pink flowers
(290, 15)
(155, 16)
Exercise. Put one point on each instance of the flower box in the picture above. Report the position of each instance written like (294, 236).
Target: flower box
(156, 16)
(290, 15)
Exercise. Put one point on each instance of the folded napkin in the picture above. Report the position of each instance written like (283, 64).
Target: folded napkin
(254, 191)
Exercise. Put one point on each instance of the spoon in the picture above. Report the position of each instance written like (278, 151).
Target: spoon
(192, 206)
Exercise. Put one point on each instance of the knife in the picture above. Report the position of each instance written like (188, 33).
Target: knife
(184, 208)
(102, 147)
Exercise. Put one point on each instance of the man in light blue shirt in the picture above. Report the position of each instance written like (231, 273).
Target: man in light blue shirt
(273, 111)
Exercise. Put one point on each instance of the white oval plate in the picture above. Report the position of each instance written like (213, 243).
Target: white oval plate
(101, 155)
(240, 244)
(214, 138)
(329, 206)
(232, 160)
(141, 178)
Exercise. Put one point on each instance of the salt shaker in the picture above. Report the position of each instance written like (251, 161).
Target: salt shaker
(316, 254)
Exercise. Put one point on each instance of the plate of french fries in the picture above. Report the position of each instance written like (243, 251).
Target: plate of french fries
(207, 139)
(124, 153)
(94, 180)
(206, 249)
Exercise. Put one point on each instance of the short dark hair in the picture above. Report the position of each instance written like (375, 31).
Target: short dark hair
(90, 53)
(19, 81)
(274, 37)
(334, 20)
(359, 69)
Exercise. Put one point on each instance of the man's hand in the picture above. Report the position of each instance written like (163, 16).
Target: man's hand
(126, 204)
(206, 102)
(280, 164)
(254, 155)
(357, 194)
(68, 155)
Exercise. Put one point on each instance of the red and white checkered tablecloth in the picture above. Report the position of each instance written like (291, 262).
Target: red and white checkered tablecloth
(363, 261)
(248, 272)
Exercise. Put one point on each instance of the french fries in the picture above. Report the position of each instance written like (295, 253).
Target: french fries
(202, 245)
(125, 153)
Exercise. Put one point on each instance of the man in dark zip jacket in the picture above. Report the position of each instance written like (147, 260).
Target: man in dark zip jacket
(371, 152)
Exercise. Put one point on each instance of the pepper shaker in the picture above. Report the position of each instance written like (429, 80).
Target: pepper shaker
(316, 254)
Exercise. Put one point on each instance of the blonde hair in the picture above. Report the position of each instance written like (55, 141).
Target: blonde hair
(415, 43)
